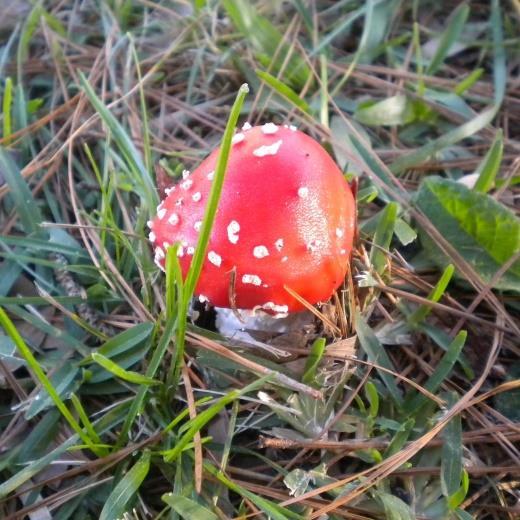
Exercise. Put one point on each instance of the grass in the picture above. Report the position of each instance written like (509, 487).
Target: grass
(400, 400)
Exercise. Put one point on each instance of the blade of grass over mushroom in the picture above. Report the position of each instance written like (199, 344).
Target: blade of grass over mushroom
(35, 367)
(174, 282)
(490, 165)
(448, 38)
(205, 233)
(117, 502)
(435, 295)
(377, 354)
(284, 90)
(415, 401)
(141, 175)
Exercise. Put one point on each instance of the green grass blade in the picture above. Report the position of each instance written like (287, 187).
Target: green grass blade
(499, 53)
(118, 501)
(126, 375)
(400, 438)
(188, 508)
(274, 511)
(266, 39)
(284, 90)
(313, 361)
(35, 367)
(82, 414)
(25, 204)
(468, 82)
(155, 362)
(142, 177)
(34, 467)
(451, 459)
(383, 236)
(7, 103)
(441, 372)
(450, 138)
(377, 354)
(202, 418)
(435, 295)
(490, 165)
(450, 35)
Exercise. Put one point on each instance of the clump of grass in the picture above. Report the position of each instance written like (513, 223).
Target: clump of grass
(399, 402)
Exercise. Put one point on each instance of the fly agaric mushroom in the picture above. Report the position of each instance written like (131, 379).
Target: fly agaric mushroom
(286, 216)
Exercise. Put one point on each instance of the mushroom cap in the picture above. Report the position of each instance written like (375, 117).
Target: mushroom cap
(286, 217)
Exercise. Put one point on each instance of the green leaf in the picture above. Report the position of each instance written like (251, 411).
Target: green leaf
(118, 501)
(488, 168)
(377, 354)
(126, 375)
(393, 111)
(482, 230)
(188, 508)
(450, 35)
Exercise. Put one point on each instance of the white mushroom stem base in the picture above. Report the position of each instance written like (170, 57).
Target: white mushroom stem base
(229, 326)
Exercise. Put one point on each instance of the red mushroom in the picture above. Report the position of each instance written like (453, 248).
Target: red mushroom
(286, 217)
